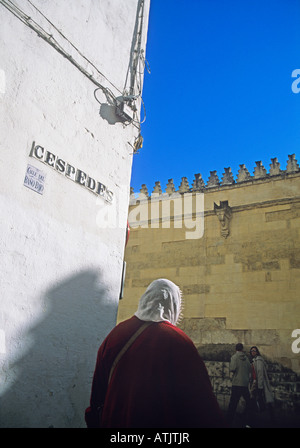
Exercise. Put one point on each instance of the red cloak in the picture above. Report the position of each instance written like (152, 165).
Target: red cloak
(160, 382)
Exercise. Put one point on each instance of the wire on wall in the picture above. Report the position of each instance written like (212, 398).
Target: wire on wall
(136, 54)
(75, 48)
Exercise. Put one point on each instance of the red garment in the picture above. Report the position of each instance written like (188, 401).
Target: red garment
(160, 382)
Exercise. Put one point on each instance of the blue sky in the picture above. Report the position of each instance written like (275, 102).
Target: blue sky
(219, 92)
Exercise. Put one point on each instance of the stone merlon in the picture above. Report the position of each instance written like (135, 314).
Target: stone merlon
(259, 174)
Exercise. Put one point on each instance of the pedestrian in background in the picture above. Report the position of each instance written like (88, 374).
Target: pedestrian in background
(241, 368)
(261, 391)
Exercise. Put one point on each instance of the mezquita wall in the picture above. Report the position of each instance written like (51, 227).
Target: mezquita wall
(239, 270)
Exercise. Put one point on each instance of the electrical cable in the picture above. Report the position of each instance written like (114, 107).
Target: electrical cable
(49, 38)
(75, 48)
(28, 21)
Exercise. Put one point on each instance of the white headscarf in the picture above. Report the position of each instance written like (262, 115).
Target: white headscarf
(161, 301)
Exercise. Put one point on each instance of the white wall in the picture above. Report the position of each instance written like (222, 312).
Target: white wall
(61, 259)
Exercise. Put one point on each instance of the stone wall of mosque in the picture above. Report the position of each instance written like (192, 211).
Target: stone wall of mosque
(233, 247)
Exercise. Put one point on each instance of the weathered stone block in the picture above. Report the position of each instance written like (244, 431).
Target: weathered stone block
(195, 289)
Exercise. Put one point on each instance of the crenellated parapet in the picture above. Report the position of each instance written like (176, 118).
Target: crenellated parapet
(243, 176)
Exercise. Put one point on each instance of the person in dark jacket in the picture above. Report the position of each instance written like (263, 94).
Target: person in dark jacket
(261, 392)
(241, 368)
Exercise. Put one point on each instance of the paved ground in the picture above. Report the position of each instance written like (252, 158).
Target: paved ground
(263, 420)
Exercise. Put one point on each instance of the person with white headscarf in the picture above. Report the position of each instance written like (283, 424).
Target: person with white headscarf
(161, 302)
(149, 373)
